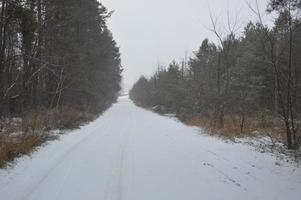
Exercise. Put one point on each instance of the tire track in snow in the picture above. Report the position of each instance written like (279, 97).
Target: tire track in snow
(122, 167)
(123, 161)
(227, 177)
(60, 159)
(115, 181)
(231, 164)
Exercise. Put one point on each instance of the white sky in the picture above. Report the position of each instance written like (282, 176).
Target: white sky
(152, 32)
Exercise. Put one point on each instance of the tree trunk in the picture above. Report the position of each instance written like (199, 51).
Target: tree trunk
(288, 135)
(220, 106)
(2, 57)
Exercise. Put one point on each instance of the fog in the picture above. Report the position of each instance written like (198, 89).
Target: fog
(152, 33)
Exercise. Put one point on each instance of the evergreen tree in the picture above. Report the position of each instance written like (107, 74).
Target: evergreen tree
(65, 56)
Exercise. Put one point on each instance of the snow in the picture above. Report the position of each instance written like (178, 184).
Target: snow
(133, 154)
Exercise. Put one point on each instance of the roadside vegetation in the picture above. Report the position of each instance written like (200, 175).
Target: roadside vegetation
(20, 136)
(59, 68)
(244, 86)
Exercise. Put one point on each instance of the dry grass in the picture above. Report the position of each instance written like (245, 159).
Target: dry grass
(22, 136)
(12, 147)
(69, 118)
(253, 126)
(66, 118)
(266, 134)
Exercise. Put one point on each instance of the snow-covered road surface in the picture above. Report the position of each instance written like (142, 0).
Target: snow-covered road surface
(133, 154)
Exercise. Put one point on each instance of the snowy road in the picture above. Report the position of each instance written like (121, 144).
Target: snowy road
(133, 154)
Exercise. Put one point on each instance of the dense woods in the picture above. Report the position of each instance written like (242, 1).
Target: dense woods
(55, 54)
(59, 68)
(253, 77)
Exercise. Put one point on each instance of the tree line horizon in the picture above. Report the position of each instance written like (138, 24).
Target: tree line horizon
(256, 75)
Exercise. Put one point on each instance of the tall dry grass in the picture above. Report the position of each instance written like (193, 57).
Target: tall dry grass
(19, 137)
(254, 125)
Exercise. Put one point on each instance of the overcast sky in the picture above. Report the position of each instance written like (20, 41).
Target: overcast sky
(153, 32)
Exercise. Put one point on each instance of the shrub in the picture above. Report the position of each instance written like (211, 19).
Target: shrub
(69, 118)
(19, 137)
(11, 148)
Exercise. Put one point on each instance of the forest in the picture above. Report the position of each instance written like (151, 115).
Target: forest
(59, 67)
(56, 53)
(240, 85)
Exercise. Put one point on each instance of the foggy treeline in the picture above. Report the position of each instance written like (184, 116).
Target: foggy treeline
(56, 53)
(256, 75)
